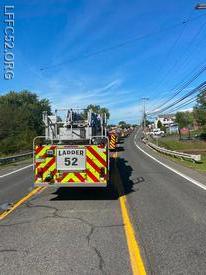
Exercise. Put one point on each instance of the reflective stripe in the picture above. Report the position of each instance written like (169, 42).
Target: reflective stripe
(91, 176)
(101, 157)
(96, 158)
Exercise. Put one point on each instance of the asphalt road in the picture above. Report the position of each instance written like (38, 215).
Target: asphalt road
(63, 231)
(14, 186)
(81, 231)
(168, 213)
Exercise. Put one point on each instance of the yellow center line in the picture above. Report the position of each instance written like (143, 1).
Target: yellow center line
(137, 264)
(21, 201)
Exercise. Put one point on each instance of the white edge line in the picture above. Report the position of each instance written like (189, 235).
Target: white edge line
(199, 184)
(16, 171)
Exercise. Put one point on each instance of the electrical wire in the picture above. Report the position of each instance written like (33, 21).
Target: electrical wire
(182, 82)
(167, 57)
(193, 91)
(183, 86)
(177, 63)
(191, 100)
(186, 103)
(194, 38)
(122, 44)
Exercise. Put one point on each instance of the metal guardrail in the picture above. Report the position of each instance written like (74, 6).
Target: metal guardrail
(14, 158)
(195, 158)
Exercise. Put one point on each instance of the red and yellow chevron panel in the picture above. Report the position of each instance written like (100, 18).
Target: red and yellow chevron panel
(96, 167)
(112, 141)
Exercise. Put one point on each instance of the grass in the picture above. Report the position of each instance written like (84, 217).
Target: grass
(172, 143)
(200, 167)
(191, 146)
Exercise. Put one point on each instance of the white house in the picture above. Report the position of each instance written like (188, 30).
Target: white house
(166, 120)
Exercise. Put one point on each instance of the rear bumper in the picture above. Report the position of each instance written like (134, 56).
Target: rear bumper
(72, 184)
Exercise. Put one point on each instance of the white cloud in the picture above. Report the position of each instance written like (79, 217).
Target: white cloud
(81, 99)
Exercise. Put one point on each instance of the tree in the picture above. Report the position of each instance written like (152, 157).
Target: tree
(20, 120)
(200, 109)
(99, 110)
(124, 124)
(121, 123)
(159, 124)
(184, 119)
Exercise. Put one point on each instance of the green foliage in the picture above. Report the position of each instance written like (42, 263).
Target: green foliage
(99, 110)
(124, 125)
(184, 119)
(163, 128)
(201, 100)
(159, 124)
(20, 120)
(200, 116)
(196, 147)
(122, 122)
(147, 123)
(200, 110)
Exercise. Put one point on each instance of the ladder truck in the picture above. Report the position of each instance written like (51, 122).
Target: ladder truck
(74, 150)
(113, 139)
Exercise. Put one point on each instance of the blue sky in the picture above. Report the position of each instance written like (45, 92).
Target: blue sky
(58, 34)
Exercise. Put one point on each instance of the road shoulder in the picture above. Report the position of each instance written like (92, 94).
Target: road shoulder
(174, 165)
(8, 168)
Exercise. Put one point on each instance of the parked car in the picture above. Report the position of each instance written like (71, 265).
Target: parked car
(157, 132)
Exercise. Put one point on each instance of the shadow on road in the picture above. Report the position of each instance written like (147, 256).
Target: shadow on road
(120, 149)
(127, 178)
(88, 193)
(125, 172)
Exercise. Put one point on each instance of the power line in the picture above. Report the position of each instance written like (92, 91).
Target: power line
(186, 103)
(189, 47)
(122, 44)
(179, 85)
(189, 101)
(173, 46)
(184, 85)
(144, 99)
(199, 88)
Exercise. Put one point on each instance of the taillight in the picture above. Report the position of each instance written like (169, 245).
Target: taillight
(49, 178)
(102, 172)
(40, 172)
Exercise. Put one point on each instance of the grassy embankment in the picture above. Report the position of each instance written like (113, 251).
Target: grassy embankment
(187, 146)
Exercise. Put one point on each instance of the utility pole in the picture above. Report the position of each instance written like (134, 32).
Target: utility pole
(144, 99)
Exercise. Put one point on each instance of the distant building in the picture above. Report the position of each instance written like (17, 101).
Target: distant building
(166, 120)
(173, 128)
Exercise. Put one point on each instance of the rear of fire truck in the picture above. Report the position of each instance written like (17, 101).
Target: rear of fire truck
(74, 150)
(113, 139)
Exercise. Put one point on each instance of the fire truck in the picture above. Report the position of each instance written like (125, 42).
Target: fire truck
(74, 150)
(113, 139)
